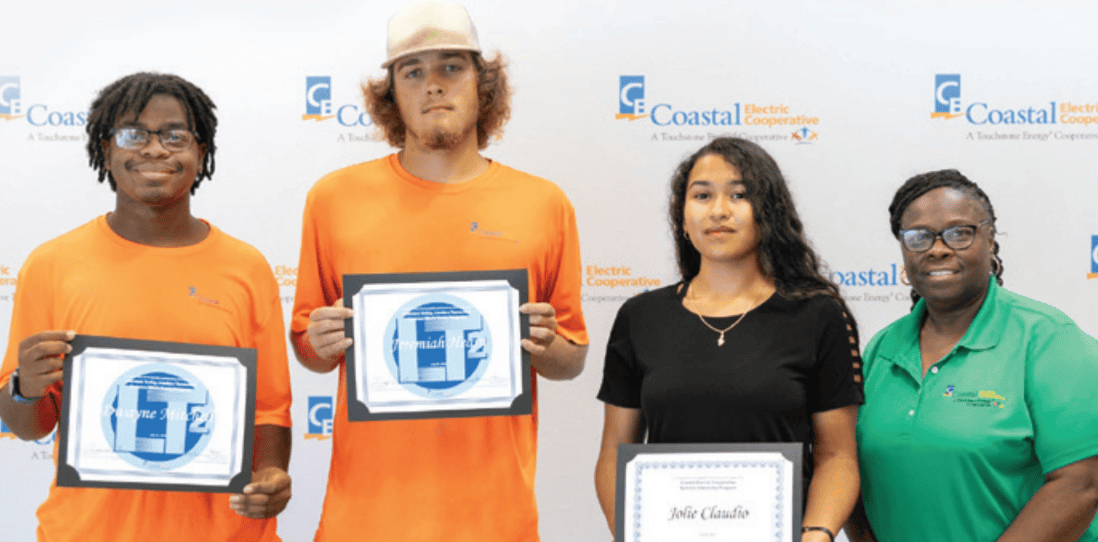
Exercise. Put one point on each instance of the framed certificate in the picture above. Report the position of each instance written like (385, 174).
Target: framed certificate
(691, 492)
(437, 345)
(156, 415)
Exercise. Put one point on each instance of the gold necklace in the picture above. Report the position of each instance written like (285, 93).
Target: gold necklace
(720, 340)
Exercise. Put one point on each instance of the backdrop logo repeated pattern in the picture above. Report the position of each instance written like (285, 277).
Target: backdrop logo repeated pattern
(321, 414)
(320, 106)
(804, 136)
(947, 96)
(6, 277)
(633, 104)
(318, 98)
(617, 281)
(888, 275)
(886, 283)
(11, 107)
(1093, 257)
(948, 105)
(631, 97)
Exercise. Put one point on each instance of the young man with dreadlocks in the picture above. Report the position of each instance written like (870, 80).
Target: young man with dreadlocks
(150, 270)
(436, 205)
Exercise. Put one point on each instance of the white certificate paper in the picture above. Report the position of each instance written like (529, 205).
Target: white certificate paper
(434, 348)
(709, 496)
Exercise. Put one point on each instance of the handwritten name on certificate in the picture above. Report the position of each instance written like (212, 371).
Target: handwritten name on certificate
(709, 496)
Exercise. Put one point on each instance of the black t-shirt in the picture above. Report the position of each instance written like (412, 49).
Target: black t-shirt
(787, 359)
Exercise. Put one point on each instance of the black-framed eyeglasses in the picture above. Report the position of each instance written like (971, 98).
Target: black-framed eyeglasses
(958, 237)
(134, 139)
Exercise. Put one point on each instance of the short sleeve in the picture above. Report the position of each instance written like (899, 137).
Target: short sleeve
(1061, 376)
(565, 296)
(31, 313)
(621, 377)
(273, 395)
(314, 288)
(838, 370)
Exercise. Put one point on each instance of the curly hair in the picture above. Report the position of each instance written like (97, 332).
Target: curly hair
(784, 252)
(131, 94)
(493, 93)
(915, 187)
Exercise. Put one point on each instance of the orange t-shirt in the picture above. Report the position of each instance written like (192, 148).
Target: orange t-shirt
(220, 292)
(456, 479)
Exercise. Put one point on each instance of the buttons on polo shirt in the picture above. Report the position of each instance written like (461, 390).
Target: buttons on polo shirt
(911, 412)
(934, 369)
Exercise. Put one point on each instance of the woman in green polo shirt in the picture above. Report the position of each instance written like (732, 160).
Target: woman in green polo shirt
(980, 423)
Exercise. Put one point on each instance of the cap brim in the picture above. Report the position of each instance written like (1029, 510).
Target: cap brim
(445, 47)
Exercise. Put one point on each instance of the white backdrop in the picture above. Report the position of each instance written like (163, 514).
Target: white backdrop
(855, 81)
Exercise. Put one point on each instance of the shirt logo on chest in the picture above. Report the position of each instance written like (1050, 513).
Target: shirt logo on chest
(975, 399)
(484, 233)
(194, 293)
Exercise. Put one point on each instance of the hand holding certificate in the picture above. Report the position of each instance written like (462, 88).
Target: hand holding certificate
(687, 492)
(431, 345)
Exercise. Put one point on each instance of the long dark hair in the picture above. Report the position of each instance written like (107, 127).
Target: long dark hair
(131, 94)
(784, 253)
(917, 186)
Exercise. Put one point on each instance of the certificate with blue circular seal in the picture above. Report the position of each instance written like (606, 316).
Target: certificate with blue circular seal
(156, 416)
(432, 345)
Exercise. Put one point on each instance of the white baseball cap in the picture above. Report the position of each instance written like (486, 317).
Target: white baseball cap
(430, 26)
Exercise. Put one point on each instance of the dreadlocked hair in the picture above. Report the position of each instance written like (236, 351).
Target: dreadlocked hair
(131, 94)
(917, 186)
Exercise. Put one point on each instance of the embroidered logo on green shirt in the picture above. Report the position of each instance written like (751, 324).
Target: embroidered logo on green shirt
(982, 398)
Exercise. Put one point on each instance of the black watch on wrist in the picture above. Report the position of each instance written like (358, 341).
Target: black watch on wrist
(13, 388)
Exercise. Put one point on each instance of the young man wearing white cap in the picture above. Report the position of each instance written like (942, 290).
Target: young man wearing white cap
(436, 205)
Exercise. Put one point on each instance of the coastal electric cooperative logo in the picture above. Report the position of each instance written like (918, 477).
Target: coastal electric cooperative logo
(11, 107)
(1093, 257)
(884, 283)
(321, 414)
(41, 115)
(982, 398)
(615, 283)
(633, 105)
(1045, 115)
(319, 106)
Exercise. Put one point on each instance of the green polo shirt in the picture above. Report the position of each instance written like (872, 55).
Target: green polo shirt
(956, 455)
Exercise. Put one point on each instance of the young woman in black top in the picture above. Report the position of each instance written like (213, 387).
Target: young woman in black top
(754, 345)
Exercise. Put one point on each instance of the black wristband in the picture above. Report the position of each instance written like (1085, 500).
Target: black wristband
(13, 390)
(827, 531)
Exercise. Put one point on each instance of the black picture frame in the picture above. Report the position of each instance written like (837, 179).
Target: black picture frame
(69, 474)
(358, 411)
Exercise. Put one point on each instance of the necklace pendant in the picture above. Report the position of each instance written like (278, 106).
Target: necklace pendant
(720, 340)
